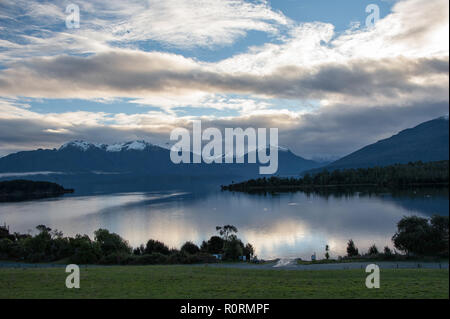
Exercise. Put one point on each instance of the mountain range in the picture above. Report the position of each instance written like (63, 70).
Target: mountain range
(134, 157)
(426, 142)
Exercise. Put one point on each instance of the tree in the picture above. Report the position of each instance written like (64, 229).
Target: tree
(387, 252)
(204, 247)
(420, 236)
(233, 249)
(43, 229)
(111, 242)
(352, 251)
(373, 250)
(190, 248)
(215, 245)
(226, 231)
(154, 246)
(439, 234)
(249, 251)
(412, 235)
(139, 250)
(85, 251)
(327, 254)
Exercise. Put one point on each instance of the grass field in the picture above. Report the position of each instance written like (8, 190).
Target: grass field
(208, 282)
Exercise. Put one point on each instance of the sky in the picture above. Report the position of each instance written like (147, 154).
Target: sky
(329, 74)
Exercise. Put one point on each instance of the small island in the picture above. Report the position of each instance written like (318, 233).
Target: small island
(21, 190)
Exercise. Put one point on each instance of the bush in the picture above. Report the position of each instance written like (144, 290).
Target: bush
(149, 259)
(154, 246)
(190, 248)
(199, 258)
(6, 247)
(215, 245)
(115, 258)
(111, 242)
(387, 252)
(206, 258)
(233, 249)
(139, 250)
(177, 257)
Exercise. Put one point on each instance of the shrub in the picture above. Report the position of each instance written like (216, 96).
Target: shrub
(6, 247)
(215, 245)
(233, 249)
(115, 258)
(206, 258)
(190, 248)
(150, 259)
(387, 252)
(177, 257)
(139, 250)
(204, 246)
(154, 246)
(111, 242)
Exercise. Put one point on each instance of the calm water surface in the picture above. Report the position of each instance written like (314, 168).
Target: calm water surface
(278, 225)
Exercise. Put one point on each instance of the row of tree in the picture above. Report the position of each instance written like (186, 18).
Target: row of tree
(109, 248)
(389, 176)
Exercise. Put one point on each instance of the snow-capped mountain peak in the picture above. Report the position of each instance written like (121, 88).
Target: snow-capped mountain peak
(116, 147)
(82, 145)
(133, 145)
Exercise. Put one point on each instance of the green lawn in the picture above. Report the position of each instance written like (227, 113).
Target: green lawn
(209, 282)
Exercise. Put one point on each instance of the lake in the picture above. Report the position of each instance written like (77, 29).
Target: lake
(284, 225)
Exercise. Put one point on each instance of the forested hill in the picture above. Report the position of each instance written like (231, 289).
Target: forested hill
(400, 175)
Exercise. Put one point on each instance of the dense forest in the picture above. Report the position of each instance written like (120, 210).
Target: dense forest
(394, 176)
(24, 189)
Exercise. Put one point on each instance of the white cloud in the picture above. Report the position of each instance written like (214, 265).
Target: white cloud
(399, 68)
(199, 22)
(415, 29)
(105, 24)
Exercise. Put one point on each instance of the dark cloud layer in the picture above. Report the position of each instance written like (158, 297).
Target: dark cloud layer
(135, 74)
(334, 131)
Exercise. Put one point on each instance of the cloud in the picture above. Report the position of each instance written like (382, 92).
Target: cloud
(37, 28)
(388, 63)
(145, 75)
(366, 81)
(200, 22)
(328, 132)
